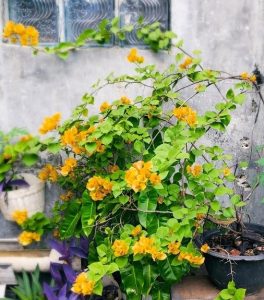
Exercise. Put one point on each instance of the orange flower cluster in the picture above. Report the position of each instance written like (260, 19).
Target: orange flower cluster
(139, 174)
(20, 216)
(187, 62)
(136, 231)
(248, 77)
(71, 137)
(146, 246)
(17, 32)
(226, 171)
(69, 164)
(133, 56)
(113, 168)
(125, 100)
(174, 248)
(82, 285)
(27, 237)
(105, 106)
(195, 170)
(186, 114)
(100, 148)
(25, 138)
(205, 248)
(67, 196)
(99, 187)
(120, 248)
(48, 172)
(50, 123)
(193, 259)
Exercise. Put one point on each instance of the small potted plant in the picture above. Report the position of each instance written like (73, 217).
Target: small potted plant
(19, 190)
(235, 249)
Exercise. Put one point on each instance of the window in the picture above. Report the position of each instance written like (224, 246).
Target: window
(60, 20)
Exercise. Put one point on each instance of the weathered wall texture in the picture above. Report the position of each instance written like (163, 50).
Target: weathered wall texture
(229, 33)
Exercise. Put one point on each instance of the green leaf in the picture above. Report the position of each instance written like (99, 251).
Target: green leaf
(4, 168)
(54, 148)
(230, 94)
(107, 139)
(215, 205)
(146, 202)
(132, 279)
(29, 159)
(88, 99)
(139, 146)
(88, 213)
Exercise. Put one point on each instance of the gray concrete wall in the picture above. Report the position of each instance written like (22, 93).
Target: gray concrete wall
(229, 33)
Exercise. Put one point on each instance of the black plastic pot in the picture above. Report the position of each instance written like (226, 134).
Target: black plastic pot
(248, 271)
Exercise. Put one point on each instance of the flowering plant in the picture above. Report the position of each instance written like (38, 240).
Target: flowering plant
(18, 149)
(138, 181)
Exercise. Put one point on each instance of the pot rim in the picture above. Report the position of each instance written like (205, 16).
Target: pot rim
(234, 257)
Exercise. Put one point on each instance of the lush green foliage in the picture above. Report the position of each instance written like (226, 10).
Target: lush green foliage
(138, 180)
(17, 150)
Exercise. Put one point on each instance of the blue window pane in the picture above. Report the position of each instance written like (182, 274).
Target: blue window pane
(43, 14)
(83, 14)
(151, 10)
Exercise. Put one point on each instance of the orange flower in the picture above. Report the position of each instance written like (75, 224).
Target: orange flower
(72, 137)
(195, 170)
(105, 106)
(138, 175)
(120, 248)
(48, 172)
(154, 179)
(125, 100)
(157, 255)
(100, 148)
(25, 138)
(69, 164)
(187, 62)
(113, 168)
(133, 56)
(205, 248)
(99, 187)
(186, 114)
(136, 231)
(20, 216)
(50, 123)
(226, 171)
(246, 76)
(143, 246)
(193, 259)
(82, 285)
(67, 196)
(27, 237)
(174, 248)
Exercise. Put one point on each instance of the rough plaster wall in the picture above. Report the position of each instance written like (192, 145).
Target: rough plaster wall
(229, 33)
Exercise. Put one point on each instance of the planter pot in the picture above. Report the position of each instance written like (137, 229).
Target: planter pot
(248, 270)
(30, 198)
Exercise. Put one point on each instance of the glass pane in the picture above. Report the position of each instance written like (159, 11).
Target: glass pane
(151, 10)
(83, 14)
(43, 14)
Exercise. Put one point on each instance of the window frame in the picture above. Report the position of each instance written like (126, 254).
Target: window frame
(4, 16)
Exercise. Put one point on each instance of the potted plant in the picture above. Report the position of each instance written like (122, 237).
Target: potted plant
(19, 191)
(237, 243)
(137, 180)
